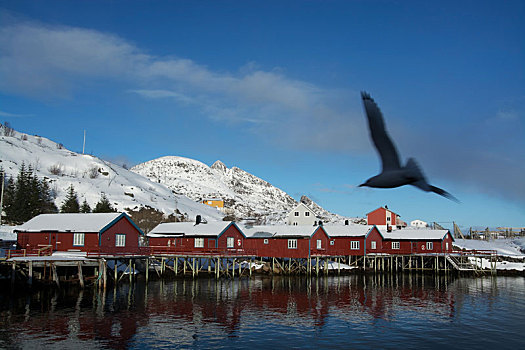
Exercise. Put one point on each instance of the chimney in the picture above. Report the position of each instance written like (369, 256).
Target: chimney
(346, 222)
(320, 223)
(388, 228)
(198, 220)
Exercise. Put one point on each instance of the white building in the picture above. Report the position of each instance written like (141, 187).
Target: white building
(301, 215)
(418, 223)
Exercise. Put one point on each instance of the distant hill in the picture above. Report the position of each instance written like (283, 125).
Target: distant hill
(91, 176)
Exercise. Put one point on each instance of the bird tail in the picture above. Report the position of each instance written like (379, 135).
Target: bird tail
(419, 180)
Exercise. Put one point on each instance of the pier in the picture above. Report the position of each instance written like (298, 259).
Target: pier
(102, 269)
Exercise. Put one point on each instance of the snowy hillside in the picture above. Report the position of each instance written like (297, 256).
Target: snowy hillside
(91, 176)
(245, 195)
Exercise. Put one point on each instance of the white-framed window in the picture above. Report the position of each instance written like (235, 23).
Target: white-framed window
(295, 223)
(354, 245)
(332, 242)
(120, 240)
(266, 241)
(296, 213)
(388, 218)
(373, 245)
(230, 241)
(430, 246)
(395, 245)
(319, 244)
(210, 202)
(292, 244)
(78, 239)
(199, 242)
(306, 213)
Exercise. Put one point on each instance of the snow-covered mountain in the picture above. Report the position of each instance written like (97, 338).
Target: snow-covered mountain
(245, 195)
(91, 176)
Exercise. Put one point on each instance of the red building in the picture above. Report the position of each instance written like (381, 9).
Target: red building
(284, 241)
(353, 239)
(383, 217)
(189, 237)
(411, 241)
(90, 232)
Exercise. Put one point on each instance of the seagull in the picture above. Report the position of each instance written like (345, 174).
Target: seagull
(393, 174)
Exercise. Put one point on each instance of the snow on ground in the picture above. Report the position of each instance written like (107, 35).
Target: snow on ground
(512, 247)
(500, 265)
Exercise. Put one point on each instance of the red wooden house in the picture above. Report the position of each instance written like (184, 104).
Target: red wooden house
(383, 217)
(414, 241)
(188, 237)
(281, 241)
(90, 232)
(353, 239)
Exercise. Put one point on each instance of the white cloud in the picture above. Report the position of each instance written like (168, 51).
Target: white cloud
(52, 61)
(14, 115)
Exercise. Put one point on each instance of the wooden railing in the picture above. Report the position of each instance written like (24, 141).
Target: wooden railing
(43, 251)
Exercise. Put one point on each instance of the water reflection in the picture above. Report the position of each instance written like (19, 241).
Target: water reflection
(298, 311)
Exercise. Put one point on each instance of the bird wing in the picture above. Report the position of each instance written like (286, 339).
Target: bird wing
(384, 145)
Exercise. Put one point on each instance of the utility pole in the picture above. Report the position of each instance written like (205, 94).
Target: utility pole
(2, 197)
(84, 144)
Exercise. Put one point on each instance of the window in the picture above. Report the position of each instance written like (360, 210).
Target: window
(319, 244)
(388, 218)
(229, 242)
(296, 213)
(306, 213)
(295, 223)
(446, 246)
(120, 240)
(332, 242)
(430, 246)
(292, 244)
(210, 202)
(266, 241)
(373, 245)
(78, 239)
(354, 245)
(395, 245)
(199, 242)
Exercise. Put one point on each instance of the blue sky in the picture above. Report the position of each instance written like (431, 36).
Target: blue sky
(273, 88)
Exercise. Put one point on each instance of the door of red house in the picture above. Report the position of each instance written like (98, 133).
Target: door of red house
(53, 241)
(212, 243)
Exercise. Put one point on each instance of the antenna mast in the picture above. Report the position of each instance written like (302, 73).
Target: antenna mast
(84, 144)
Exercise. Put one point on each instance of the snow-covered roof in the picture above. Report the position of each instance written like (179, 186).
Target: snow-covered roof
(279, 231)
(169, 229)
(415, 234)
(66, 222)
(347, 230)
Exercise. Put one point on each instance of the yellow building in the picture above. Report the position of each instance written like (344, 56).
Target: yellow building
(214, 202)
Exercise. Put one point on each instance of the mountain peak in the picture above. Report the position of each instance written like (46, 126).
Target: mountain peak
(219, 166)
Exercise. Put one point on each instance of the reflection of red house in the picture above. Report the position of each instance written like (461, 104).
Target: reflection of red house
(90, 232)
(192, 238)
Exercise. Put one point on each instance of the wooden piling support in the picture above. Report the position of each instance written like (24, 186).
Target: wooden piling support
(55, 275)
(80, 275)
(30, 277)
(147, 269)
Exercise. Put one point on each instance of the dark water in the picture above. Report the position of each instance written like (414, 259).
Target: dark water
(334, 312)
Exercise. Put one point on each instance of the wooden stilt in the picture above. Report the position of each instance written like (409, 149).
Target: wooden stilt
(116, 272)
(55, 275)
(147, 269)
(130, 272)
(30, 278)
(80, 275)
